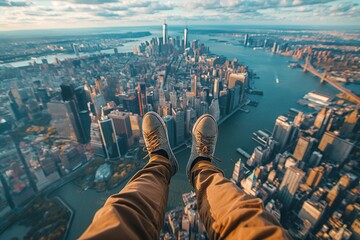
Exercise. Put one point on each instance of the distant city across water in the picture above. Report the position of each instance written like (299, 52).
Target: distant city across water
(279, 96)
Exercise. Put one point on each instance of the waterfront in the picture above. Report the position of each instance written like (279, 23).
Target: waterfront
(277, 99)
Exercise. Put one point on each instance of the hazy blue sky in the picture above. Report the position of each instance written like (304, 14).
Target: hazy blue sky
(41, 14)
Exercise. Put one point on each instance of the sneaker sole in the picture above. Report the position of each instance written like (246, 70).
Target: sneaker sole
(167, 137)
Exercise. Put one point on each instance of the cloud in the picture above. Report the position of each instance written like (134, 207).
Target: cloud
(249, 5)
(107, 14)
(132, 8)
(79, 13)
(91, 1)
(5, 3)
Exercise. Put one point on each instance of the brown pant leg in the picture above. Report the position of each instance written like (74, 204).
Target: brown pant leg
(227, 212)
(137, 211)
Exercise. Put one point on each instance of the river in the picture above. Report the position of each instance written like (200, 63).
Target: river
(235, 132)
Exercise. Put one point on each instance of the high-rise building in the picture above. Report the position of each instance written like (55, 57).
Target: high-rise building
(66, 120)
(283, 133)
(315, 176)
(322, 120)
(71, 157)
(289, 185)
(15, 176)
(85, 122)
(141, 91)
(238, 80)
(185, 38)
(109, 138)
(332, 195)
(96, 141)
(216, 88)
(350, 122)
(135, 122)
(304, 148)
(131, 104)
(170, 126)
(179, 118)
(81, 98)
(256, 157)
(164, 34)
(122, 125)
(249, 184)
(99, 102)
(265, 43)
(246, 39)
(194, 85)
(67, 91)
(299, 119)
(335, 148)
(214, 109)
(189, 120)
(273, 50)
(314, 159)
(203, 108)
(312, 211)
(238, 173)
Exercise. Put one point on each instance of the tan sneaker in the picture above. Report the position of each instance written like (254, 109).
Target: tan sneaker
(204, 137)
(156, 138)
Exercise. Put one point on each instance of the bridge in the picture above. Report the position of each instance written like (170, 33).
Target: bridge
(329, 79)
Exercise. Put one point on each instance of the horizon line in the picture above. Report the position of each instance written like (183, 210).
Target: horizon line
(179, 25)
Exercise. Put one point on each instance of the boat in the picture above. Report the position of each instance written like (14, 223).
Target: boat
(277, 80)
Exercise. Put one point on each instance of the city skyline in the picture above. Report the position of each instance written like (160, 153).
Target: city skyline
(73, 104)
(40, 14)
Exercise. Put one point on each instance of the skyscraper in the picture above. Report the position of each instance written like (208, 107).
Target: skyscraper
(350, 122)
(141, 90)
(66, 120)
(185, 38)
(179, 117)
(335, 148)
(322, 120)
(99, 102)
(67, 91)
(16, 178)
(238, 173)
(283, 133)
(170, 126)
(273, 50)
(289, 185)
(246, 39)
(96, 140)
(238, 79)
(135, 122)
(214, 109)
(108, 135)
(165, 33)
(314, 159)
(315, 176)
(81, 98)
(204, 108)
(304, 148)
(122, 125)
(194, 85)
(216, 88)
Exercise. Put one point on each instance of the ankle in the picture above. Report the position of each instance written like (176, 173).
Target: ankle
(199, 159)
(161, 152)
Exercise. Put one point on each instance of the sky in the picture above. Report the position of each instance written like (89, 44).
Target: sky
(42, 14)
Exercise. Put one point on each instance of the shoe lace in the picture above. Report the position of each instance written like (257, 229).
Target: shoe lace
(205, 146)
(153, 141)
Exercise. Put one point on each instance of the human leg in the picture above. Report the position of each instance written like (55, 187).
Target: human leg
(137, 211)
(226, 211)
